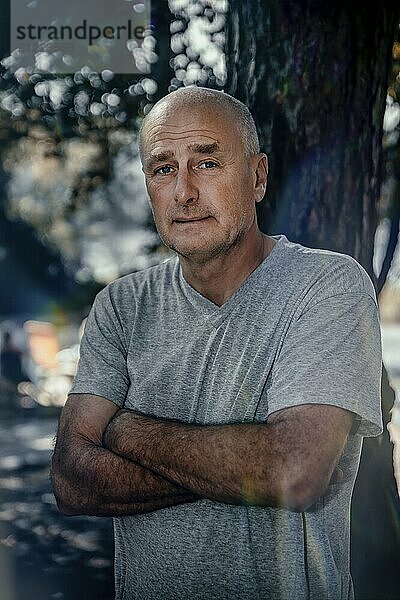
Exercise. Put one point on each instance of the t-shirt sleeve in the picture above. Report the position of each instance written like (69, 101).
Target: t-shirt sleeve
(331, 354)
(102, 368)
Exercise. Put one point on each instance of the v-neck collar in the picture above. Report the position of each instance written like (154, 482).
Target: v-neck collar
(209, 308)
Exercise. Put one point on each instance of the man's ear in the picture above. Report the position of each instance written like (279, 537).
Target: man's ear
(261, 176)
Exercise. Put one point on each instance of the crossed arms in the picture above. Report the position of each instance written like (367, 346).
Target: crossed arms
(119, 462)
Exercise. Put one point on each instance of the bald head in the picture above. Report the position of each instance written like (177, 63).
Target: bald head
(207, 100)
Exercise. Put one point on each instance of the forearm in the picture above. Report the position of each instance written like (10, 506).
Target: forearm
(92, 480)
(222, 463)
(285, 462)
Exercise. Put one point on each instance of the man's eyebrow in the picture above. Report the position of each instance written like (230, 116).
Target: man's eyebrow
(205, 148)
(198, 148)
(160, 156)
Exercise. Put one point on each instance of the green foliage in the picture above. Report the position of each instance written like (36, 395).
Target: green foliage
(69, 145)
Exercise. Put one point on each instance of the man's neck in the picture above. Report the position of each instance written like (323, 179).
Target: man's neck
(218, 278)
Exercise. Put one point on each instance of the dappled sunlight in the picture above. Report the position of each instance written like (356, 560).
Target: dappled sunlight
(34, 536)
(42, 191)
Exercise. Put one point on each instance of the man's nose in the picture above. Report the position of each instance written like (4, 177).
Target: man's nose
(185, 189)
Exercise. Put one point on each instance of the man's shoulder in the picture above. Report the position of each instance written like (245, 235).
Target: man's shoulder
(332, 272)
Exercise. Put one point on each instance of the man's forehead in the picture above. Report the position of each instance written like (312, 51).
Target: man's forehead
(173, 127)
(190, 139)
(161, 139)
(164, 151)
(183, 129)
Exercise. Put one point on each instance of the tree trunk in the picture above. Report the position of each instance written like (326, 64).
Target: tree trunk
(314, 74)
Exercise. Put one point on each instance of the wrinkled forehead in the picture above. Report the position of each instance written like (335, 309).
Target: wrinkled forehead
(190, 124)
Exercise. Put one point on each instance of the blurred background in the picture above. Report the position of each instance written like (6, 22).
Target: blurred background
(323, 82)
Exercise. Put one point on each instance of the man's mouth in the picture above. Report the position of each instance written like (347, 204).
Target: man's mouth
(190, 219)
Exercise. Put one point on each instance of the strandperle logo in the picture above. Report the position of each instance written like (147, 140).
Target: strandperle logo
(91, 33)
(100, 35)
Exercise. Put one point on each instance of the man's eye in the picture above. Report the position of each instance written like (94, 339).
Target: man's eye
(208, 164)
(164, 170)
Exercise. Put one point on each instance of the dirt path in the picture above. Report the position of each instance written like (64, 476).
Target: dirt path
(44, 555)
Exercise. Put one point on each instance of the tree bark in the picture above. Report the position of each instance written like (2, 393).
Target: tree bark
(314, 74)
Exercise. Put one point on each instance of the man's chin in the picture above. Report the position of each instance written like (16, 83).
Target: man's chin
(199, 246)
(199, 251)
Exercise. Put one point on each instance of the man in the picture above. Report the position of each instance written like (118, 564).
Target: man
(246, 370)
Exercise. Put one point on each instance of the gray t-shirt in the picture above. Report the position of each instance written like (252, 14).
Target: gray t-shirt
(303, 328)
